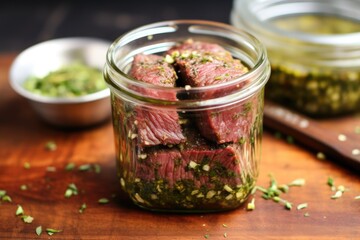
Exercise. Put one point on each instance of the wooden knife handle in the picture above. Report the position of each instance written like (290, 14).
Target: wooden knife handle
(344, 149)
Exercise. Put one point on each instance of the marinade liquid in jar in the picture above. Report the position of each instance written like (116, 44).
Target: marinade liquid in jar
(314, 50)
(187, 108)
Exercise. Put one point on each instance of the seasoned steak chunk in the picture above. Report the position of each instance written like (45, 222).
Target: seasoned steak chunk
(205, 64)
(159, 127)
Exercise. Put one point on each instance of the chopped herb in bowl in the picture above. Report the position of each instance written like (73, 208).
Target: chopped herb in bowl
(76, 79)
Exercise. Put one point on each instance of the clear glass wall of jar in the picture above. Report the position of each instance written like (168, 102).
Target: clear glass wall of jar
(314, 50)
(206, 157)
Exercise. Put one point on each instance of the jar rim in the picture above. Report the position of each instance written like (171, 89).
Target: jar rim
(258, 13)
(193, 27)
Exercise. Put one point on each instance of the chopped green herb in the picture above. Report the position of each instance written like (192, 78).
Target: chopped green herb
(330, 181)
(27, 219)
(357, 197)
(51, 231)
(320, 156)
(27, 165)
(276, 199)
(169, 59)
(23, 187)
(337, 195)
(50, 146)
(225, 235)
(97, 168)
(288, 205)
(306, 214)
(6, 198)
(76, 79)
(70, 166)
(225, 225)
(206, 236)
(341, 188)
(82, 208)
(103, 200)
(2, 193)
(84, 167)
(19, 211)
(302, 206)
(71, 190)
(251, 205)
(38, 230)
(298, 182)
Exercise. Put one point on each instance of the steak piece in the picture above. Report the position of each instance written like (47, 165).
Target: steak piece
(203, 64)
(203, 167)
(156, 126)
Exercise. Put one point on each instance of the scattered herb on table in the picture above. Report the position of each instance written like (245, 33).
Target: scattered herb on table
(71, 190)
(90, 167)
(4, 197)
(19, 210)
(82, 208)
(357, 197)
(23, 187)
(84, 167)
(274, 191)
(320, 156)
(50, 146)
(330, 181)
(302, 206)
(51, 231)
(38, 230)
(27, 218)
(206, 236)
(27, 165)
(251, 205)
(103, 200)
(70, 166)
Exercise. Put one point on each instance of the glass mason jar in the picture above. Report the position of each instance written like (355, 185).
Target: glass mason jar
(314, 50)
(187, 149)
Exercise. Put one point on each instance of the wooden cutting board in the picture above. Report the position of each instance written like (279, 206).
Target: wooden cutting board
(337, 138)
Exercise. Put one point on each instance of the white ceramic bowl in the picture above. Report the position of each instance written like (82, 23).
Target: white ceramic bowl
(47, 56)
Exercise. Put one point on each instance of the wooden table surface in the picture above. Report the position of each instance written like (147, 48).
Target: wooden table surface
(22, 140)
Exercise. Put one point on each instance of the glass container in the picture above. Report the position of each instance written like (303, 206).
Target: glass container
(186, 148)
(314, 50)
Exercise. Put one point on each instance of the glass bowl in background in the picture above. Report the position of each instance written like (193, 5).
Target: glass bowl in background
(314, 50)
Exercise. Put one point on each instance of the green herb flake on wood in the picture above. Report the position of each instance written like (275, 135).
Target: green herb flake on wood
(70, 166)
(50, 146)
(82, 208)
(302, 206)
(27, 219)
(19, 210)
(51, 231)
(27, 165)
(38, 230)
(330, 181)
(103, 201)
